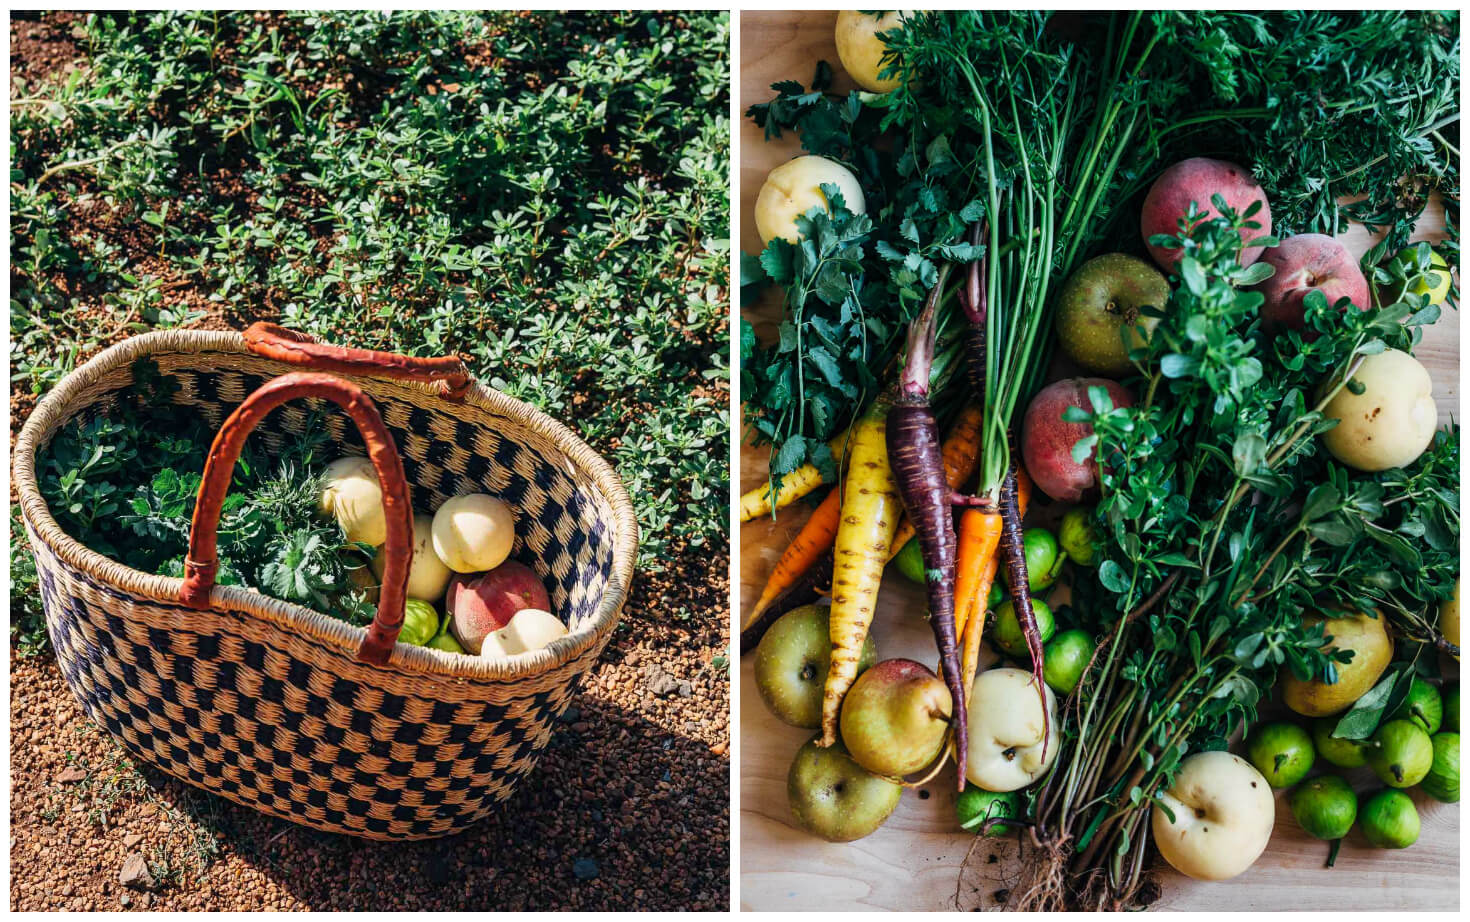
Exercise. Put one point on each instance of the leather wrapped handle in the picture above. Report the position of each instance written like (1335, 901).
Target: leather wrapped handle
(202, 564)
(273, 341)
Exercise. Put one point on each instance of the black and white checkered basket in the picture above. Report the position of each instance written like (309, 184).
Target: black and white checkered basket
(279, 707)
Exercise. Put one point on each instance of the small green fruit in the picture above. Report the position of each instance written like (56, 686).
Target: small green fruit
(1043, 559)
(910, 562)
(1388, 819)
(1066, 656)
(420, 623)
(975, 806)
(997, 595)
(1008, 635)
(1079, 536)
(1401, 754)
(445, 642)
(1422, 706)
(1325, 807)
(1281, 751)
(1340, 752)
(1443, 781)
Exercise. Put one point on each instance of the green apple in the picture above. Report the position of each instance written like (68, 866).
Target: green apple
(1100, 306)
(791, 664)
(833, 797)
(895, 717)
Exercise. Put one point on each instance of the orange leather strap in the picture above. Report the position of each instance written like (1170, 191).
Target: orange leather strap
(202, 563)
(273, 341)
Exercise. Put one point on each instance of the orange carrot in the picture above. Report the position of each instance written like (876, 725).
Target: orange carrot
(970, 646)
(814, 539)
(959, 455)
(979, 539)
(980, 531)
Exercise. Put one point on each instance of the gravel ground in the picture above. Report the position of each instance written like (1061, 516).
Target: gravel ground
(628, 809)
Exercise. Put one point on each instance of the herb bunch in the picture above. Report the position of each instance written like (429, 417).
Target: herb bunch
(125, 485)
(1226, 524)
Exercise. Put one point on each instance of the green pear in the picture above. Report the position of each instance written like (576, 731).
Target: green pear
(895, 717)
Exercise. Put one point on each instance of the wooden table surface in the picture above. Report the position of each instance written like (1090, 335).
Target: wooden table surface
(914, 861)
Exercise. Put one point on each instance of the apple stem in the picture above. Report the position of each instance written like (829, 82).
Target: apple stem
(1332, 852)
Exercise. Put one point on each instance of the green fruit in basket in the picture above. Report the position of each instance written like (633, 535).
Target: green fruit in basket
(975, 807)
(1388, 819)
(1008, 635)
(1281, 751)
(1079, 537)
(1340, 752)
(445, 642)
(420, 623)
(1401, 753)
(1451, 709)
(1443, 780)
(910, 562)
(1422, 705)
(1325, 807)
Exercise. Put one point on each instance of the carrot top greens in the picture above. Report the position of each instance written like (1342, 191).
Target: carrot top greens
(1050, 126)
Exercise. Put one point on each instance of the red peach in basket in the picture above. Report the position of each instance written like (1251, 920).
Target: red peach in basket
(481, 603)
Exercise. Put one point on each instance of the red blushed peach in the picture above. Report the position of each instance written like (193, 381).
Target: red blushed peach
(1047, 440)
(481, 603)
(1302, 263)
(1199, 179)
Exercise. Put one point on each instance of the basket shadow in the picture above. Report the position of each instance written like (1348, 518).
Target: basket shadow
(620, 813)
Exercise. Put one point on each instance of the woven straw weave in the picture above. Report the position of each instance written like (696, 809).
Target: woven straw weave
(265, 702)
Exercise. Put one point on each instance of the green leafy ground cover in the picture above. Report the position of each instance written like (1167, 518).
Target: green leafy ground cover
(545, 194)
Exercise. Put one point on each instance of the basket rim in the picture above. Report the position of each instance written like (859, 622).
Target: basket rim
(54, 408)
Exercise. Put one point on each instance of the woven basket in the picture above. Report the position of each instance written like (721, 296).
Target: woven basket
(287, 710)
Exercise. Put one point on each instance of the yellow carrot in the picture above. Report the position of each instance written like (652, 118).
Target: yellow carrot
(790, 488)
(814, 539)
(870, 510)
(960, 453)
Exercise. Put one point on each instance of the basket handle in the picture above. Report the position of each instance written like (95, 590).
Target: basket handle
(202, 564)
(273, 341)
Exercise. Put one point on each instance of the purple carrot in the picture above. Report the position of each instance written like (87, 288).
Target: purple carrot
(813, 584)
(1014, 551)
(973, 302)
(914, 453)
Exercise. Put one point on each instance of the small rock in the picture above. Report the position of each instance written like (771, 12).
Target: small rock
(660, 683)
(146, 901)
(131, 839)
(585, 869)
(719, 749)
(632, 658)
(135, 873)
(685, 690)
(125, 900)
(571, 715)
(72, 775)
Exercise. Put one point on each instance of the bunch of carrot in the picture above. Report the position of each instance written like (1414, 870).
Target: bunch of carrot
(897, 468)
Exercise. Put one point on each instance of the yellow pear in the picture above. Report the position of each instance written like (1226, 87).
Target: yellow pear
(1367, 637)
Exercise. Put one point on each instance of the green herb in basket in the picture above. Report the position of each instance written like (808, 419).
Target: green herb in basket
(124, 485)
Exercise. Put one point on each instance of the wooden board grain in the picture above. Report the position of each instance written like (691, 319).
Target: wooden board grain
(914, 861)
